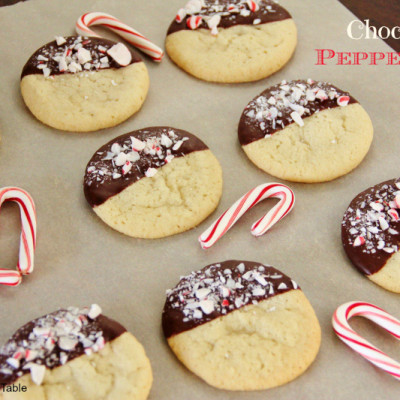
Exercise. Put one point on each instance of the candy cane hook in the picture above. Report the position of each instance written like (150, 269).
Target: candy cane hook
(357, 342)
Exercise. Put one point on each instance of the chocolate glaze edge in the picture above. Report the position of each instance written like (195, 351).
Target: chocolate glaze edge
(97, 195)
(280, 15)
(368, 264)
(111, 330)
(30, 66)
(172, 320)
(249, 132)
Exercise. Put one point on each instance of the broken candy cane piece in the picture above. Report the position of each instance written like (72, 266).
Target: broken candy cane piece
(359, 241)
(213, 23)
(253, 5)
(37, 373)
(194, 6)
(83, 56)
(95, 311)
(180, 15)
(343, 101)
(194, 22)
(394, 214)
(397, 200)
(121, 54)
(297, 118)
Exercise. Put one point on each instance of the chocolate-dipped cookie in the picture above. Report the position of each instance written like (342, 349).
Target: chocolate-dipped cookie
(305, 131)
(74, 354)
(84, 83)
(231, 40)
(371, 234)
(153, 182)
(241, 325)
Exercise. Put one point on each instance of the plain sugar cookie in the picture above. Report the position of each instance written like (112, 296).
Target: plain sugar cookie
(153, 182)
(231, 40)
(74, 354)
(241, 325)
(371, 234)
(305, 131)
(84, 84)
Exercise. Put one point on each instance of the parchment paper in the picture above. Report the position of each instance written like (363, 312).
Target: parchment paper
(80, 260)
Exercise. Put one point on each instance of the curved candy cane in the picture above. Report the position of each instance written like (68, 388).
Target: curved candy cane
(129, 34)
(358, 343)
(28, 235)
(10, 278)
(245, 203)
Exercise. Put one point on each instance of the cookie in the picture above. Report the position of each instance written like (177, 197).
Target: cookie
(371, 234)
(241, 325)
(153, 182)
(84, 84)
(305, 131)
(231, 40)
(74, 354)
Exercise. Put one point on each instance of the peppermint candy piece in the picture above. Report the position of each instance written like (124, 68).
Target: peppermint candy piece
(253, 5)
(194, 22)
(359, 241)
(120, 53)
(180, 15)
(343, 101)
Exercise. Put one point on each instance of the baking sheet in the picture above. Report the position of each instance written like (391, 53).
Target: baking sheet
(80, 260)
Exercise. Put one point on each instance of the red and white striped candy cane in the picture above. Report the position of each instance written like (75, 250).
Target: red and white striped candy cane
(28, 235)
(358, 343)
(10, 278)
(129, 34)
(245, 203)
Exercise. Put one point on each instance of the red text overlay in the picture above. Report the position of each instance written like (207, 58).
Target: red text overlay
(329, 56)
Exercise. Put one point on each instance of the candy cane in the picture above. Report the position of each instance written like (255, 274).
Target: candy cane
(10, 278)
(129, 34)
(358, 343)
(245, 203)
(28, 235)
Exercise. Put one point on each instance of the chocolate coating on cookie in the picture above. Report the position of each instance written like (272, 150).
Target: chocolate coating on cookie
(371, 227)
(285, 104)
(133, 156)
(233, 12)
(219, 289)
(55, 339)
(54, 59)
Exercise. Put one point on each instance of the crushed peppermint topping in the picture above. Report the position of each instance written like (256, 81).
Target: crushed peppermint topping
(120, 53)
(50, 341)
(79, 54)
(372, 220)
(132, 155)
(208, 13)
(291, 102)
(221, 288)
